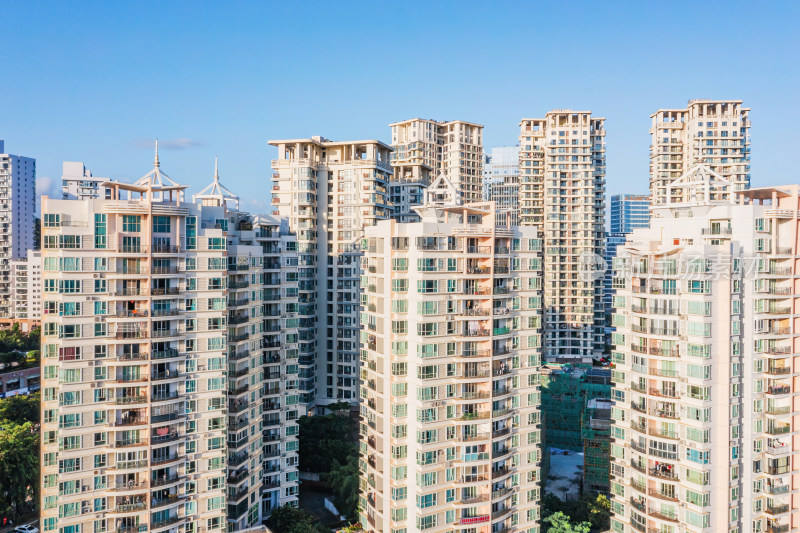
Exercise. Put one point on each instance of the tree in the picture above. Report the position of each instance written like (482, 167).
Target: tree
(600, 513)
(560, 523)
(323, 440)
(20, 409)
(288, 519)
(343, 480)
(19, 470)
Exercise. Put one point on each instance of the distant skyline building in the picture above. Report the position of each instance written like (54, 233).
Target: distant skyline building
(501, 180)
(17, 217)
(77, 182)
(26, 290)
(451, 347)
(424, 149)
(715, 133)
(329, 191)
(628, 212)
(562, 194)
(705, 367)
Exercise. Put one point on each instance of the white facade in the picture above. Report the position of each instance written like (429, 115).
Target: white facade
(424, 149)
(705, 367)
(77, 182)
(451, 349)
(715, 133)
(562, 193)
(17, 217)
(26, 288)
(329, 192)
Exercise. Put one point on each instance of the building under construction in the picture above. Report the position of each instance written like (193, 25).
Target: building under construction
(596, 437)
(566, 392)
(566, 389)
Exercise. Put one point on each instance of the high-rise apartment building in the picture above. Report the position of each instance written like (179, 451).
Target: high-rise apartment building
(77, 182)
(329, 192)
(628, 212)
(423, 150)
(26, 290)
(166, 406)
(714, 133)
(562, 186)
(704, 421)
(17, 217)
(501, 180)
(451, 348)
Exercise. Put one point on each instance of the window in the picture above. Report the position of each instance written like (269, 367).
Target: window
(131, 223)
(216, 243)
(161, 224)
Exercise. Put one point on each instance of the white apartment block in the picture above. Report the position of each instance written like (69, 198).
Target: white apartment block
(161, 369)
(424, 149)
(77, 182)
(705, 421)
(501, 181)
(714, 133)
(26, 290)
(329, 192)
(562, 187)
(451, 349)
(17, 217)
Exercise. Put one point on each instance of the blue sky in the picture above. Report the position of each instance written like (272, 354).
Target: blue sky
(96, 81)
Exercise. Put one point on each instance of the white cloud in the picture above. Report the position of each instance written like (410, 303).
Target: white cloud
(46, 186)
(181, 143)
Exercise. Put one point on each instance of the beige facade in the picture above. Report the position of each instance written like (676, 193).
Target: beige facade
(562, 187)
(705, 418)
(424, 149)
(165, 399)
(329, 192)
(451, 348)
(715, 133)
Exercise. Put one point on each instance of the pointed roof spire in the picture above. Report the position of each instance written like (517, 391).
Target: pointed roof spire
(217, 192)
(156, 163)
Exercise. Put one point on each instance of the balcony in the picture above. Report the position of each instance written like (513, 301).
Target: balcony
(777, 528)
(778, 390)
(164, 459)
(127, 400)
(662, 495)
(664, 472)
(662, 515)
(165, 291)
(169, 374)
(165, 249)
(777, 509)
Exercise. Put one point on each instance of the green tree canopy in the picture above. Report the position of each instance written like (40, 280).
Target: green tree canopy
(560, 523)
(20, 409)
(590, 508)
(325, 439)
(288, 519)
(19, 469)
(343, 480)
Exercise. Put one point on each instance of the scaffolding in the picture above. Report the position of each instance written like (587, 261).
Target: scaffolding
(596, 436)
(566, 390)
(561, 406)
(569, 422)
